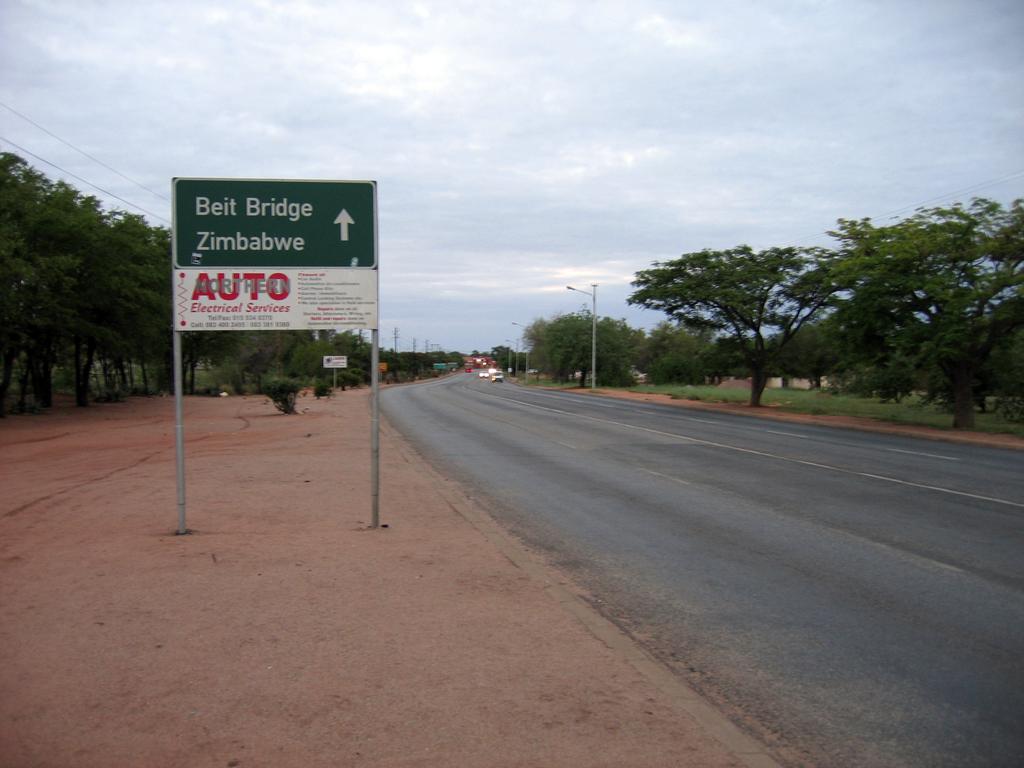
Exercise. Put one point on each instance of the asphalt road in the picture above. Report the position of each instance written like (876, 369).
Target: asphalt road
(851, 599)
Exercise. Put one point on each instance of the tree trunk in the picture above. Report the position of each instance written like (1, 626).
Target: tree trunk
(963, 396)
(40, 365)
(758, 381)
(22, 390)
(5, 381)
(83, 368)
(78, 366)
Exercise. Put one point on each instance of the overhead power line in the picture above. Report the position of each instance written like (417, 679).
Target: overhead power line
(893, 214)
(110, 168)
(84, 181)
(957, 193)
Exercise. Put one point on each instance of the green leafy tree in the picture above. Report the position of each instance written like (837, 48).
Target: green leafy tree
(307, 359)
(941, 288)
(138, 314)
(205, 348)
(562, 346)
(760, 299)
(77, 286)
(1008, 377)
(22, 191)
(66, 245)
(811, 354)
(618, 347)
(674, 355)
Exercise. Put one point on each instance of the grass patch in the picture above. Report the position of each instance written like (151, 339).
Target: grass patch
(910, 411)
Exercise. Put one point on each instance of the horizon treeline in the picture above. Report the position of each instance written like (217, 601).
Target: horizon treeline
(932, 305)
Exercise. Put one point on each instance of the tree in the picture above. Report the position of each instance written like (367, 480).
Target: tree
(618, 348)
(562, 345)
(674, 355)
(22, 191)
(759, 299)
(77, 286)
(811, 354)
(1008, 376)
(941, 288)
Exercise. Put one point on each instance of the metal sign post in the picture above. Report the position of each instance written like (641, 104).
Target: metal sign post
(273, 254)
(375, 431)
(335, 362)
(179, 432)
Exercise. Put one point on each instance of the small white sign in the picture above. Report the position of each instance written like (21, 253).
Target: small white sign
(335, 361)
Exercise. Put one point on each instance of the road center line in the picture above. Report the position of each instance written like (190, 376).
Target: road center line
(665, 477)
(779, 457)
(919, 453)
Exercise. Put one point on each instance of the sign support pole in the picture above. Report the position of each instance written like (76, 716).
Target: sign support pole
(375, 429)
(179, 429)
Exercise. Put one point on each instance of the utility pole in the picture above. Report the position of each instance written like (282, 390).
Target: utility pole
(593, 332)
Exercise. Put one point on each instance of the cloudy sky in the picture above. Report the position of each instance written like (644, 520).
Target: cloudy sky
(523, 146)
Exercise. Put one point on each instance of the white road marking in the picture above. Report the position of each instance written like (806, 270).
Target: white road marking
(779, 457)
(919, 453)
(784, 434)
(666, 477)
(896, 551)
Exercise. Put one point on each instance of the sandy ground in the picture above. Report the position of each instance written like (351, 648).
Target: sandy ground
(283, 632)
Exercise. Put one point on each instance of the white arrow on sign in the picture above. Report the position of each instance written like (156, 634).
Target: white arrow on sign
(344, 219)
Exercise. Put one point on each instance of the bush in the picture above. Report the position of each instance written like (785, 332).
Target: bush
(321, 389)
(350, 377)
(1011, 407)
(282, 393)
(110, 396)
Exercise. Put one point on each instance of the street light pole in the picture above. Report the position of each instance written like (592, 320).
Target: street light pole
(593, 332)
(522, 338)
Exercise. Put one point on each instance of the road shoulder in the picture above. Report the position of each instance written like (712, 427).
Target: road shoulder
(968, 437)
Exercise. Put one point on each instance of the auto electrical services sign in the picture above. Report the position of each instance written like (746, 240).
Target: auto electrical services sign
(260, 254)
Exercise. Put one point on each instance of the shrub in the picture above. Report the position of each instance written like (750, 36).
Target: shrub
(351, 377)
(321, 389)
(1011, 407)
(282, 393)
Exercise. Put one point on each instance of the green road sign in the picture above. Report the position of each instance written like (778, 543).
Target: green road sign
(274, 223)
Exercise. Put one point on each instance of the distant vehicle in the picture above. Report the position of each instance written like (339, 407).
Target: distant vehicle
(499, 376)
(483, 374)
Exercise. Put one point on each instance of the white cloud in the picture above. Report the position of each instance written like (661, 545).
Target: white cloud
(585, 162)
(674, 34)
(522, 146)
